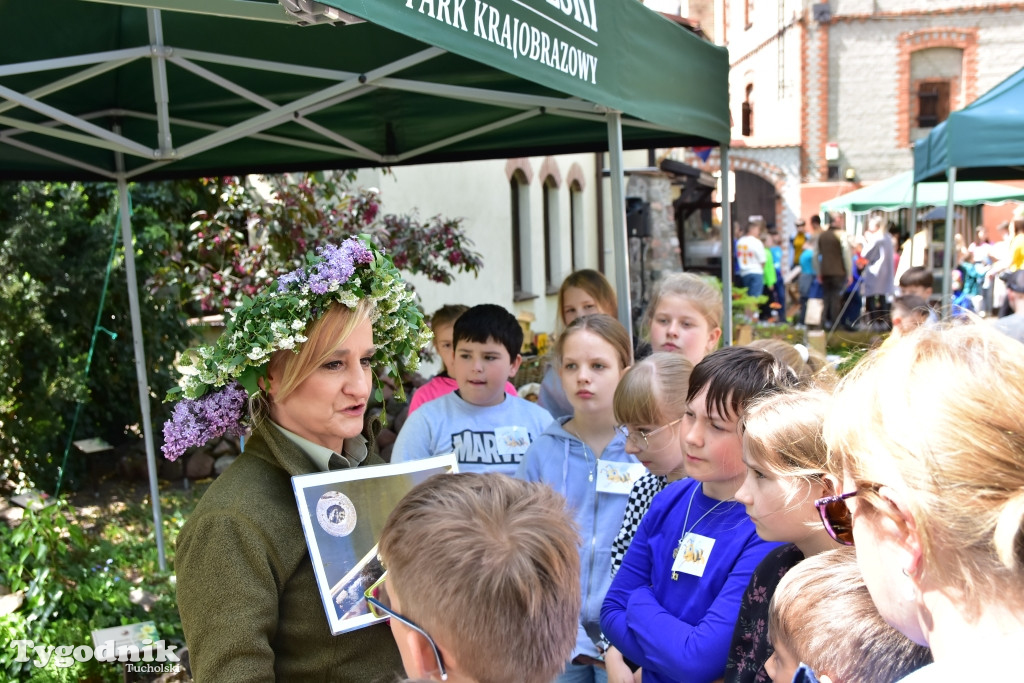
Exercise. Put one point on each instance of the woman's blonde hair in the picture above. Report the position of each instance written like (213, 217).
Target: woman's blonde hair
(939, 417)
(650, 392)
(782, 434)
(699, 290)
(604, 326)
(290, 369)
(806, 363)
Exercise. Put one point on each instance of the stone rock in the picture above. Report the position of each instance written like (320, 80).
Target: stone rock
(225, 447)
(222, 463)
(386, 437)
(400, 419)
(132, 466)
(171, 470)
(199, 465)
(10, 602)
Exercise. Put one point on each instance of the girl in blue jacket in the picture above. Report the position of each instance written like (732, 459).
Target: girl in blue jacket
(584, 458)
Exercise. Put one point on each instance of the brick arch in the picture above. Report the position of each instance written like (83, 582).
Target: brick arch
(549, 169)
(575, 175)
(519, 164)
(762, 169)
(909, 42)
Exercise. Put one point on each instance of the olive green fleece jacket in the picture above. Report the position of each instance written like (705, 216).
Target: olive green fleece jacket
(247, 594)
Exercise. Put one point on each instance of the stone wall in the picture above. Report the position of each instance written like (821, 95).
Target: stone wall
(652, 257)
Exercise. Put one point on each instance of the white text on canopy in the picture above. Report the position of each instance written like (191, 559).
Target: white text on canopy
(519, 37)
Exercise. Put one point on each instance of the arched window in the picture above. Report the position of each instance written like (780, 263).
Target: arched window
(519, 190)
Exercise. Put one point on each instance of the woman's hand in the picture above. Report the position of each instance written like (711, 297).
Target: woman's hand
(616, 667)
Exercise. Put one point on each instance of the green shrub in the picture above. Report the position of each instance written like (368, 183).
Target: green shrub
(78, 574)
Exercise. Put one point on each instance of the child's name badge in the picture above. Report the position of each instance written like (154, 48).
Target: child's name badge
(511, 440)
(618, 477)
(692, 555)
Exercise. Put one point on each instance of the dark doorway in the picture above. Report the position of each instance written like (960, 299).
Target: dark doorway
(755, 196)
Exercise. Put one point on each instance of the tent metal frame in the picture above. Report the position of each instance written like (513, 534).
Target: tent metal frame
(341, 86)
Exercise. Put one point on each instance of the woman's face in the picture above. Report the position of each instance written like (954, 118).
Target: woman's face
(577, 302)
(882, 558)
(677, 326)
(328, 406)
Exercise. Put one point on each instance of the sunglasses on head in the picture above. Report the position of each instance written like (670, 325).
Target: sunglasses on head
(836, 516)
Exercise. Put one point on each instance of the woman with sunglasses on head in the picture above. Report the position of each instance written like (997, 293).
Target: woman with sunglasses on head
(933, 494)
(787, 465)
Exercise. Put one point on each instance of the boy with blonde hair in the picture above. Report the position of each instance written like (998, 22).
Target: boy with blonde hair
(822, 616)
(482, 580)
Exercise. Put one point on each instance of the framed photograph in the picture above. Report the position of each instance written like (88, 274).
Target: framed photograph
(342, 513)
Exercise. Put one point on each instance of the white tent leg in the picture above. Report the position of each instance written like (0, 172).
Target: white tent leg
(619, 238)
(726, 249)
(140, 363)
(913, 220)
(947, 255)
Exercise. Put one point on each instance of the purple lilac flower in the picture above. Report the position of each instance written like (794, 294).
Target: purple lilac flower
(288, 279)
(336, 266)
(196, 421)
(359, 251)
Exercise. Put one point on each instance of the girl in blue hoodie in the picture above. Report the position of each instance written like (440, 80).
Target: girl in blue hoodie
(584, 458)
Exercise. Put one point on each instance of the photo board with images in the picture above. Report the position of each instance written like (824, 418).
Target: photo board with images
(343, 513)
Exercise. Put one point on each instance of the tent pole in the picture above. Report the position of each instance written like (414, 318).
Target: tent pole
(947, 254)
(620, 243)
(140, 358)
(726, 249)
(912, 219)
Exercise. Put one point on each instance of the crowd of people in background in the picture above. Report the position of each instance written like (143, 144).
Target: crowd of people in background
(669, 511)
(852, 282)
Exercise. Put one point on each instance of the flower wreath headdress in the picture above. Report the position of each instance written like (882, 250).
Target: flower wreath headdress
(217, 380)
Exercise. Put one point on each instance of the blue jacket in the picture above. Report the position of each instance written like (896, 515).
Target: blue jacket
(680, 629)
(563, 462)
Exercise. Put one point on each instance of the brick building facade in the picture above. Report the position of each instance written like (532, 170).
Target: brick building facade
(846, 86)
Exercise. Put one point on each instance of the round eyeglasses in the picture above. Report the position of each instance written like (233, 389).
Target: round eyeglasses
(639, 439)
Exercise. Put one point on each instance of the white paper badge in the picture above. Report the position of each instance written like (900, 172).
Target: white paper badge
(618, 477)
(692, 556)
(511, 440)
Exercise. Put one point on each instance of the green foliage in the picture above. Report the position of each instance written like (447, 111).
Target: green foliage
(252, 234)
(54, 247)
(199, 247)
(77, 575)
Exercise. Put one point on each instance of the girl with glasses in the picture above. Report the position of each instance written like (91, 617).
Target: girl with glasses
(651, 422)
(584, 458)
(933, 494)
(786, 462)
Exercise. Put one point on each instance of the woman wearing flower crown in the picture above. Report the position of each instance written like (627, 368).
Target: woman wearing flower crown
(294, 365)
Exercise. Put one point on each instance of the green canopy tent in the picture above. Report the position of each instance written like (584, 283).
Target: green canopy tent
(982, 141)
(897, 192)
(147, 89)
